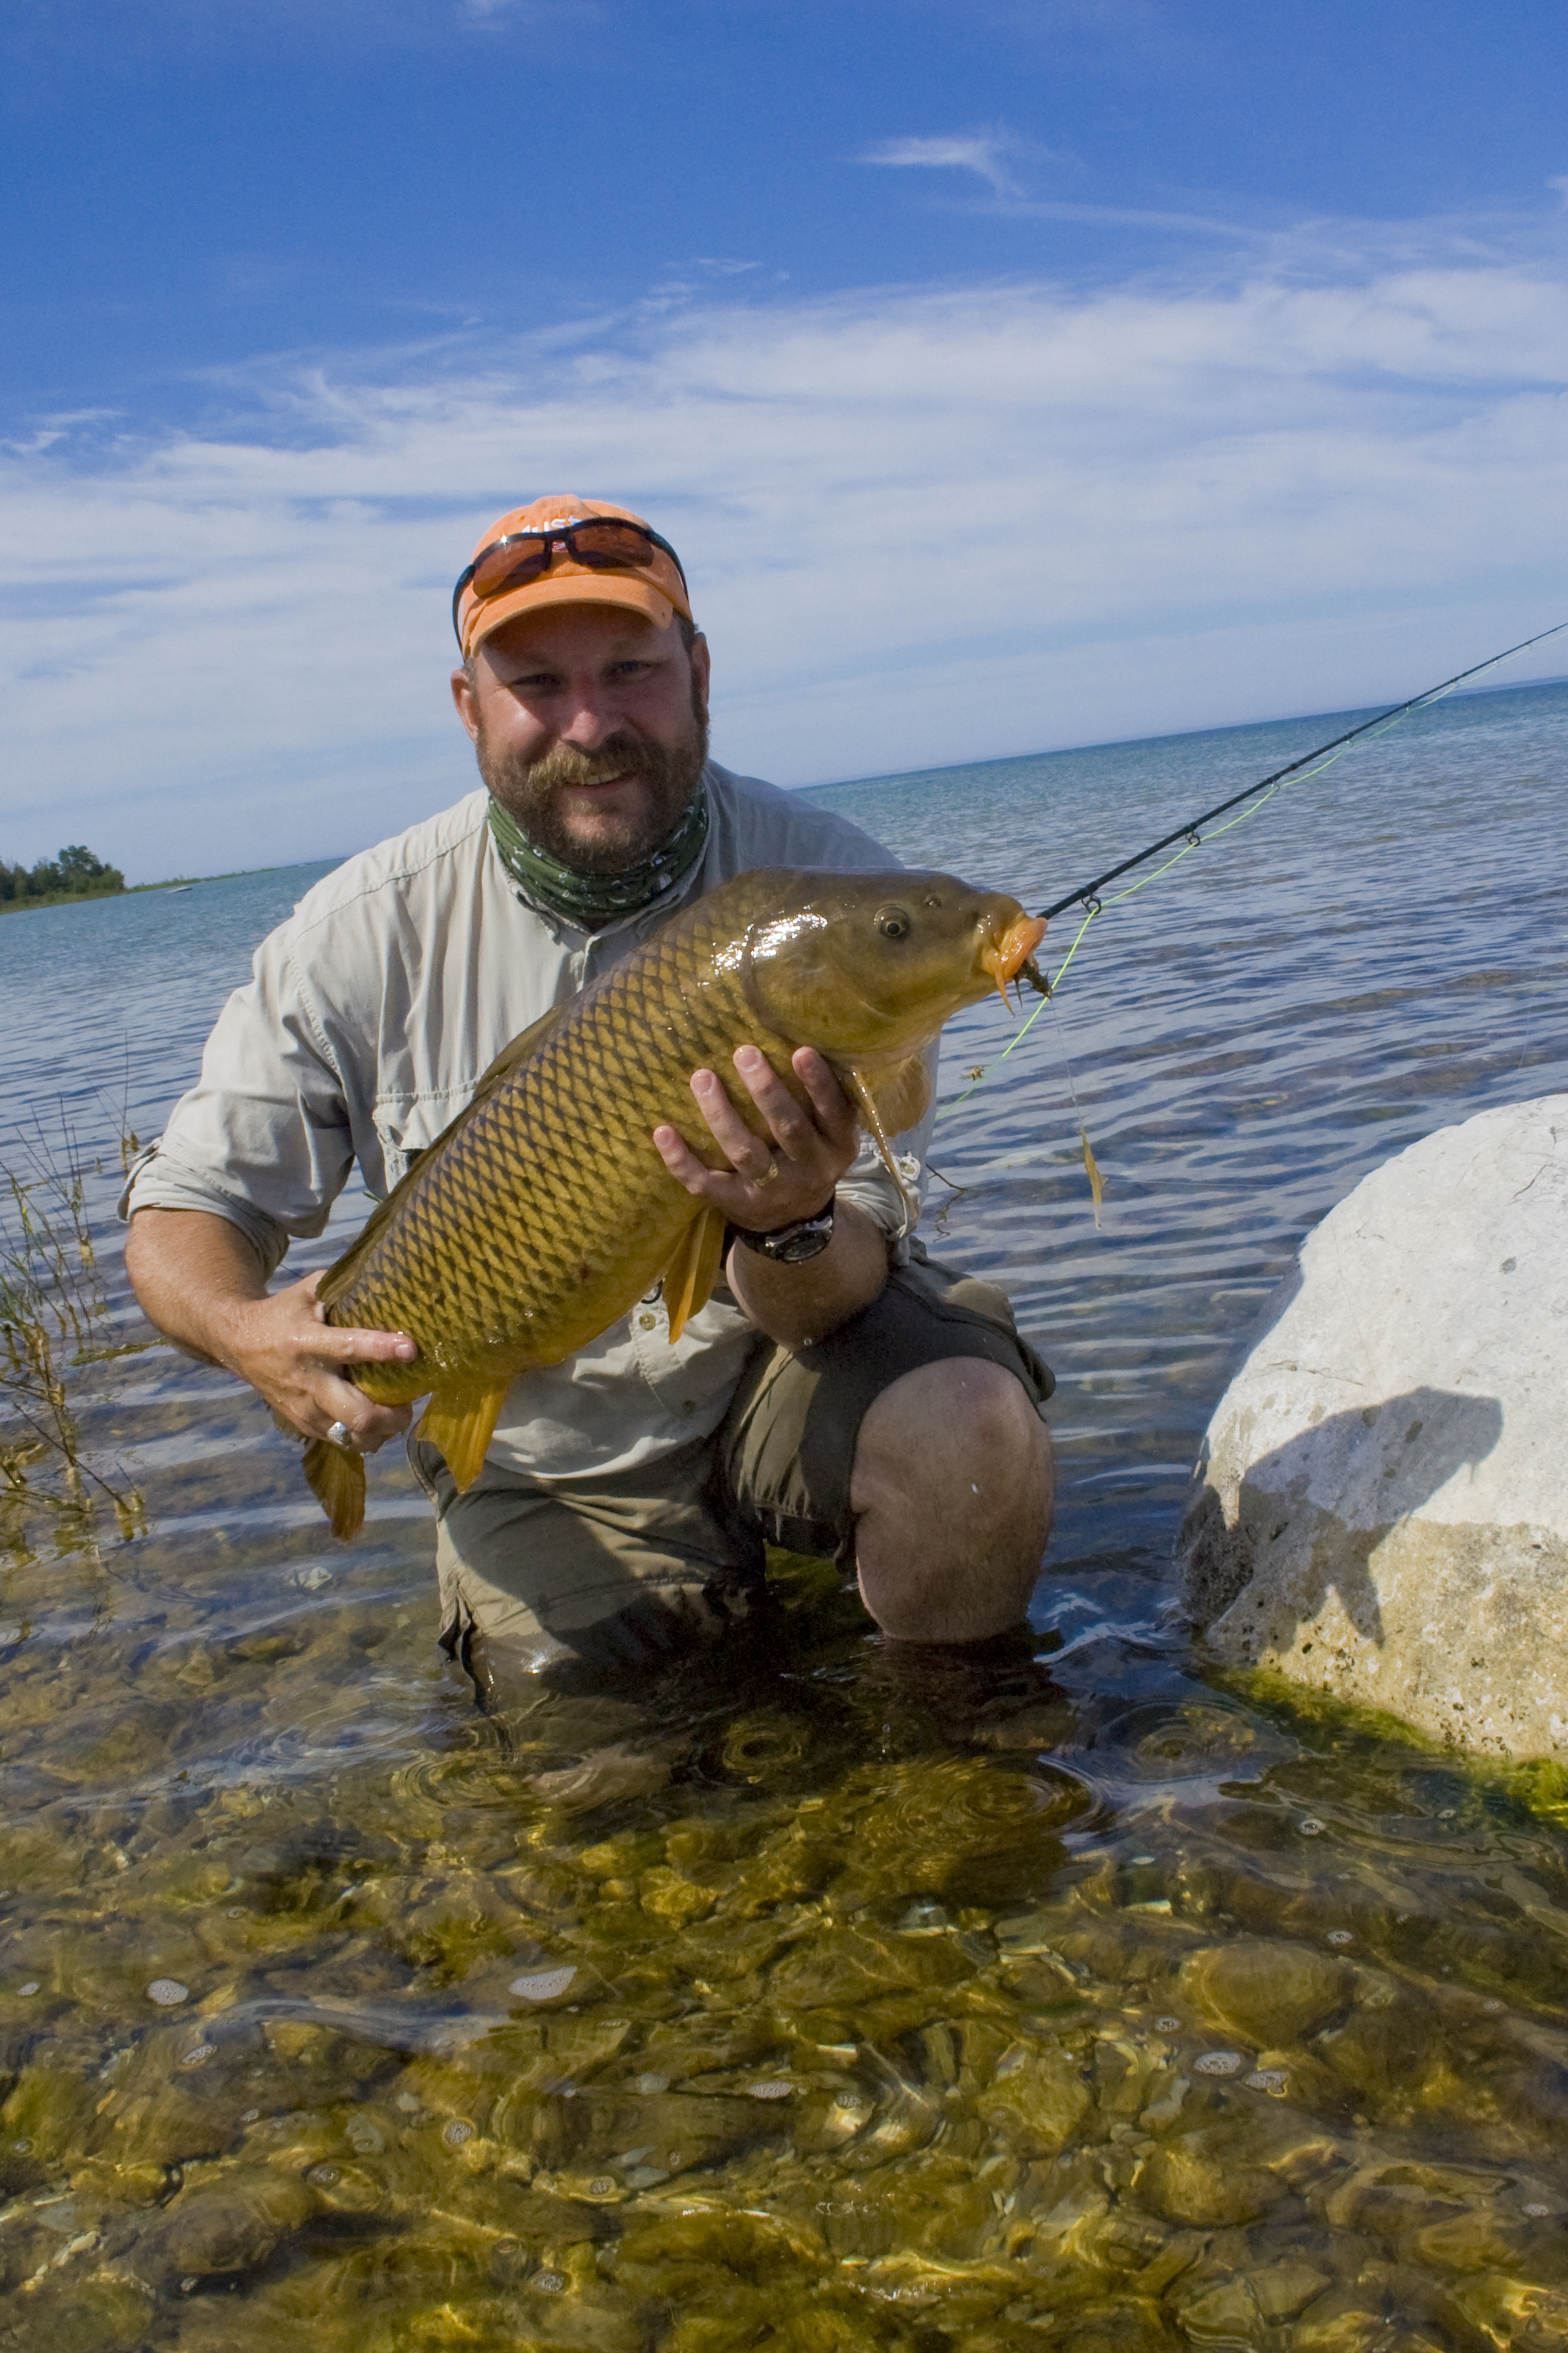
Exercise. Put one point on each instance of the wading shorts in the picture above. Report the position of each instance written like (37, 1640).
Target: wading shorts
(619, 1570)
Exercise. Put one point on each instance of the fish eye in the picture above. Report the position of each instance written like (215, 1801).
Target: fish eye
(893, 923)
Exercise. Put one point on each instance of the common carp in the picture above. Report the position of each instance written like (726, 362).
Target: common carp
(544, 1212)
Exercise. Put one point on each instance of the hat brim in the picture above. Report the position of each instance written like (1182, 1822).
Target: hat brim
(567, 584)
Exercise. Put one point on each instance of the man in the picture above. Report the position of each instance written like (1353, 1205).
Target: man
(840, 1394)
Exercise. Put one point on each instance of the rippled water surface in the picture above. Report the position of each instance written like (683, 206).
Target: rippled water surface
(809, 1999)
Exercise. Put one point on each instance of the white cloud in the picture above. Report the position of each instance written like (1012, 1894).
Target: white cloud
(981, 152)
(921, 526)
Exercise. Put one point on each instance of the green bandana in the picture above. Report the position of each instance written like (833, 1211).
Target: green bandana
(590, 900)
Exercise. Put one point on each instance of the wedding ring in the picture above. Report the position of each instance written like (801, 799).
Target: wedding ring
(341, 1435)
(768, 1173)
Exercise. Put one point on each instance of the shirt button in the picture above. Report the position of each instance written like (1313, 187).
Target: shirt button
(648, 1322)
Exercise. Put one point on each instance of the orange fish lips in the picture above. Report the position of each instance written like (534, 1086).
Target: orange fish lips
(1005, 958)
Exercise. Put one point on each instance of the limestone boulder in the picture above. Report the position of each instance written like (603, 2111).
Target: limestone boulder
(1381, 1505)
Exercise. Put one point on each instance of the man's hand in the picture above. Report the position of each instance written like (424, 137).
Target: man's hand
(198, 1280)
(764, 1187)
(811, 1151)
(284, 1346)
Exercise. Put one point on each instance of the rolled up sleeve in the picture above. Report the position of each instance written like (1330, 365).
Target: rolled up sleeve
(264, 1138)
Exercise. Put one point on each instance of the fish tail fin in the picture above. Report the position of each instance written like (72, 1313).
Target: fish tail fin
(693, 1272)
(462, 1422)
(337, 1481)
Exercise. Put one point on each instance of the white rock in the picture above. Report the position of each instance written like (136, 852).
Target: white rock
(1382, 1509)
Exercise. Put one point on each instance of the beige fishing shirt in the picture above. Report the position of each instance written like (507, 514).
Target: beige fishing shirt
(369, 1018)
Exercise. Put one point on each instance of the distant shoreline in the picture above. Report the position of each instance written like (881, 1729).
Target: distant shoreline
(135, 890)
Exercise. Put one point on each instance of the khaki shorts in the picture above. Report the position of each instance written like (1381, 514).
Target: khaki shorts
(619, 1570)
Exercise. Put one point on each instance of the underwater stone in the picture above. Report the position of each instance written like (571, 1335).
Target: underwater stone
(1037, 2100)
(1383, 1506)
(232, 2229)
(1282, 2290)
(1267, 1993)
(1189, 2181)
(1391, 2041)
(542, 1985)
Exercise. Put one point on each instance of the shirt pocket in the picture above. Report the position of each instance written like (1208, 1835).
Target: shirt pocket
(408, 1125)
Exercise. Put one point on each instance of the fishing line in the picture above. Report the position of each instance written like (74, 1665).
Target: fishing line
(1087, 891)
(1191, 838)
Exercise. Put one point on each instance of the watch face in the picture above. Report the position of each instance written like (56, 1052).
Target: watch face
(809, 1242)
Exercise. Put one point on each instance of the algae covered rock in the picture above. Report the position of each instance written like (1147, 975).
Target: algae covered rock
(1383, 1505)
(234, 2226)
(973, 1830)
(1038, 2100)
(1193, 2180)
(1267, 1993)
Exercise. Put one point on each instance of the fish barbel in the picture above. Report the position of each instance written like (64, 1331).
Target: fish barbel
(544, 1212)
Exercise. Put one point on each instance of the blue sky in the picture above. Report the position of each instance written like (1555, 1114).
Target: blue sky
(1008, 375)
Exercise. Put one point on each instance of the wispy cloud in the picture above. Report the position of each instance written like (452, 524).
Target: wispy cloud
(984, 153)
(920, 526)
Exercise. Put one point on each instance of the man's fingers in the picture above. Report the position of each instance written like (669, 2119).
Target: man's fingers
(834, 1108)
(734, 1138)
(370, 1426)
(326, 1343)
(679, 1158)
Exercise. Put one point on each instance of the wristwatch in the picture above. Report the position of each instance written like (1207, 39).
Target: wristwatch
(793, 1244)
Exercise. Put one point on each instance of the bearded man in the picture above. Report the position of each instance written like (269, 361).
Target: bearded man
(839, 1394)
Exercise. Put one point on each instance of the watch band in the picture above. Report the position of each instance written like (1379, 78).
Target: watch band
(792, 1245)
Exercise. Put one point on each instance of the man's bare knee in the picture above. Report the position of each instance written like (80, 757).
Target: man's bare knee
(951, 1492)
(964, 1422)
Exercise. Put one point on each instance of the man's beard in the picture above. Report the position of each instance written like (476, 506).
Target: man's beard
(530, 791)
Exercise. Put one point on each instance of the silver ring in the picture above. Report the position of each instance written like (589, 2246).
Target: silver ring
(341, 1435)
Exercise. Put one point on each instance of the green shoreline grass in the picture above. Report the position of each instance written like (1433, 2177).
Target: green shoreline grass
(173, 882)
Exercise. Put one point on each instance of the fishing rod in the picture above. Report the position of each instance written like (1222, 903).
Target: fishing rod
(1087, 893)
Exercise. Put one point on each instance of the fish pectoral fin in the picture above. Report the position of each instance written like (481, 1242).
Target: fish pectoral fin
(693, 1269)
(901, 1094)
(462, 1422)
(871, 1119)
(337, 1481)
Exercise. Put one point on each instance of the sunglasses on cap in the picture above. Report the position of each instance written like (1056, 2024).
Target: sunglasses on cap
(599, 543)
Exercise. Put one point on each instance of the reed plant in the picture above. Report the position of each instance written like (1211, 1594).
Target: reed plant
(56, 1335)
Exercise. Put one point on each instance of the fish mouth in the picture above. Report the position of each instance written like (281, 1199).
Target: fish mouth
(1007, 957)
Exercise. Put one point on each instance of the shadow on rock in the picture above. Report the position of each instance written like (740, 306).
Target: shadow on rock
(1314, 1510)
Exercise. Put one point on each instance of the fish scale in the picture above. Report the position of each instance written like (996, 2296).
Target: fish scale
(544, 1212)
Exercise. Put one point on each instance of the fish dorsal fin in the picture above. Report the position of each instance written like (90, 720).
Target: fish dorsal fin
(901, 1094)
(462, 1422)
(871, 1119)
(343, 1270)
(693, 1269)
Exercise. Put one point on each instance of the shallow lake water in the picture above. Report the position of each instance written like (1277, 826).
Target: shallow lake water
(809, 1997)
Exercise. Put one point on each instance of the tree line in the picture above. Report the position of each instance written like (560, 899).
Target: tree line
(76, 873)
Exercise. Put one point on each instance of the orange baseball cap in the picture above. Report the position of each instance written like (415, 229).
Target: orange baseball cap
(644, 573)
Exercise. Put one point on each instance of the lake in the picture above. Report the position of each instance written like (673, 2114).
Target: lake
(1090, 1997)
